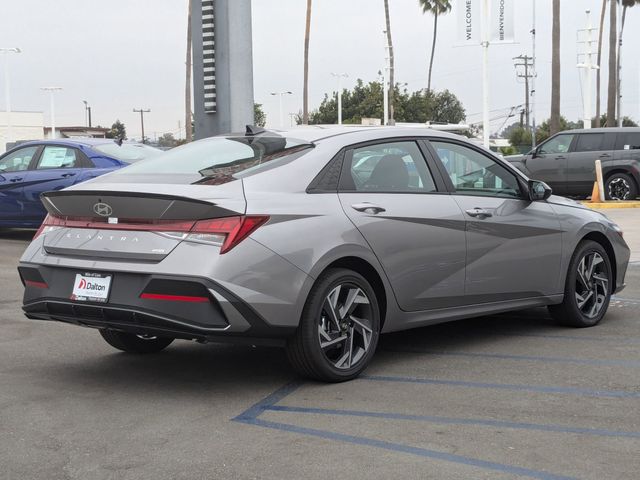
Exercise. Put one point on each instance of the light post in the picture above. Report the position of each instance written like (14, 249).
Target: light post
(280, 95)
(87, 113)
(7, 88)
(52, 91)
(339, 76)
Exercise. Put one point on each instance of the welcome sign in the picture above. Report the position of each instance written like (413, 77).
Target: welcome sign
(471, 16)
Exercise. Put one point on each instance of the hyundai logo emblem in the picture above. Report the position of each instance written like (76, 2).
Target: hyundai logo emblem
(103, 209)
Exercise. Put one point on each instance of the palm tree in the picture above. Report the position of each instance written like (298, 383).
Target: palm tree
(436, 8)
(391, 65)
(625, 4)
(603, 11)
(305, 90)
(613, 76)
(554, 121)
(188, 132)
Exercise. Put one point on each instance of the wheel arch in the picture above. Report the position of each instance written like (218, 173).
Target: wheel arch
(626, 171)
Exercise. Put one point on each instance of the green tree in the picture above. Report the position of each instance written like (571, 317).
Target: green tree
(259, 117)
(167, 140)
(391, 65)
(118, 130)
(436, 8)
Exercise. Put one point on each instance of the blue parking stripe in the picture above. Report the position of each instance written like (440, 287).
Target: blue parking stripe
(255, 410)
(585, 338)
(397, 447)
(530, 358)
(457, 421)
(505, 386)
(626, 300)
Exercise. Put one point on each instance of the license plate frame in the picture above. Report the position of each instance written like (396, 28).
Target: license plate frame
(92, 287)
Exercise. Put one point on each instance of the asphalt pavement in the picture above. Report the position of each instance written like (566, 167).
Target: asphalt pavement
(506, 396)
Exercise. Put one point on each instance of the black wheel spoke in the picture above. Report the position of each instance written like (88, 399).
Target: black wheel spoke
(592, 284)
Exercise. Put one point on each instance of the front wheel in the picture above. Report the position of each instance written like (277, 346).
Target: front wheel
(131, 343)
(339, 328)
(620, 186)
(588, 287)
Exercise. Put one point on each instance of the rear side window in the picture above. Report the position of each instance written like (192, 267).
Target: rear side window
(58, 157)
(214, 161)
(386, 168)
(628, 141)
(590, 142)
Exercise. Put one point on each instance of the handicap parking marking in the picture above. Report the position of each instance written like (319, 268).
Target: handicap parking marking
(269, 403)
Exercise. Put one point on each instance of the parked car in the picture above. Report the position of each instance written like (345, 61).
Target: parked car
(297, 240)
(32, 168)
(566, 162)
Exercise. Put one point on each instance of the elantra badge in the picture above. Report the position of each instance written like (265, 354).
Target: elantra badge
(103, 209)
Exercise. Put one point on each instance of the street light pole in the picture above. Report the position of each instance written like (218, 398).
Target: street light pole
(339, 76)
(485, 73)
(52, 91)
(142, 111)
(280, 95)
(7, 87)
(87, 114)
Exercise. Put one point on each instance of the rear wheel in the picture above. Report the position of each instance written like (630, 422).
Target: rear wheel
(588, 287)
(131, 343)
(620, 186)
(339, 328)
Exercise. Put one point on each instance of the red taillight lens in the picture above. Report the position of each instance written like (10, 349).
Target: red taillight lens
(235, 229)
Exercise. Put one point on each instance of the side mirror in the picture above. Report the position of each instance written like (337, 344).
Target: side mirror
(539, 190)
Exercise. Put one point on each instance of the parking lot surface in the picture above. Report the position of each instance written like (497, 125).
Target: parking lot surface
(507, 396)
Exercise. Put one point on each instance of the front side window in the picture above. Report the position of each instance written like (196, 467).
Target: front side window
(58, 157)
(18, 160)
(558, 144)
(386, 168)
(590, 142)
(473, 173)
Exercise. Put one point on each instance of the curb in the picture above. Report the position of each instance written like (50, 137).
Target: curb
(612, 204)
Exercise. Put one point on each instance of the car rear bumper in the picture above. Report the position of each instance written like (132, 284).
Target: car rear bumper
(185, 307)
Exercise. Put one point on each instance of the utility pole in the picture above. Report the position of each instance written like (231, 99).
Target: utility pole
(588, 66)
(524, 70)
(142, 111)
(280, 95)
(339, 76)
(7, 87)
(486, 36)
(533, 77)
(87, 113)
(52, 91)
(619, 68)
(385, 80)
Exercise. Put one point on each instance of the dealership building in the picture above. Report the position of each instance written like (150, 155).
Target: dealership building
(24, 126)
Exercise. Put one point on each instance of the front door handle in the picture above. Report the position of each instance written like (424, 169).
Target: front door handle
(367, 207)
(18, 179)
(605, 155)
(67, 175)
(560, 157)
(479, 212)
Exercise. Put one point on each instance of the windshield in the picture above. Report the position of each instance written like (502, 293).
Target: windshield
(128, 152)
(214, 161)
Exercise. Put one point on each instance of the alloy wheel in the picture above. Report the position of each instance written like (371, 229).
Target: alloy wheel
(619, 189)
(592, 284)
(345, 327)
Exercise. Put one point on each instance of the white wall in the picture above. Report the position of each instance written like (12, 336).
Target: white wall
(24, 126)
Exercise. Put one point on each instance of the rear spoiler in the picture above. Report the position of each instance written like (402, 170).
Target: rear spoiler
(130, 205)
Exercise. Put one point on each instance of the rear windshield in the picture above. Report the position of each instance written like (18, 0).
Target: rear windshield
(214, 161)
(127, 152)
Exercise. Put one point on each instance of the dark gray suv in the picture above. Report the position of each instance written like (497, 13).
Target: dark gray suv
(566, 162)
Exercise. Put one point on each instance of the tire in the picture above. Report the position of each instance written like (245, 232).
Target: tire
(620, 186)
(594, 290)
(336, 348)
(130, 343)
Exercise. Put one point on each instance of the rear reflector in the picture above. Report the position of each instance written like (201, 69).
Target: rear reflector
(173, 298)
(31, 283)
(227, 232)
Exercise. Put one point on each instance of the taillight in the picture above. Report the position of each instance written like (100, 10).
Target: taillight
(224, 232)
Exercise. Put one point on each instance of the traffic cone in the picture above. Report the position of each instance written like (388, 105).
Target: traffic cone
(595, 193)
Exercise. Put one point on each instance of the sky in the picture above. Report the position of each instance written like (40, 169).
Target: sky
(125, 54)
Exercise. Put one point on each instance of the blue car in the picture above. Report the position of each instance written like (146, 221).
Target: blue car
(35, 167)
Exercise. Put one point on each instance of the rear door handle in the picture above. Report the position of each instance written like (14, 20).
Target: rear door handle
(367, 207)
(605, 155)
(16, 179)
(67, 175)
(560, 157)
(479, 212)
